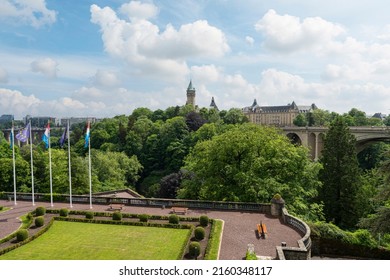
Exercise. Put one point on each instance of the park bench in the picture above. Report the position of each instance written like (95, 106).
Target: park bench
(262, 230)
(179, 210)
(116, 206)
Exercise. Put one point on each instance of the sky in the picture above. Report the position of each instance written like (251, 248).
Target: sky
(96, 58)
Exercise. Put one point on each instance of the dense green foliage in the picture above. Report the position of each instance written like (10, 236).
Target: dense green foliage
(89, 215)
(21, 235)
(117, 216)
(199, 233)
(40, 211)
(340, 175)
(64, 212)
(143, 218)
(250, 163)
(194, 249)
(204, 220)
(173, 219)
(39, 221)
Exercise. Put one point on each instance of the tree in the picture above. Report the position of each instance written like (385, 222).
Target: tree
(250, 163)
(194, 121)
(300, 120)
(235, 116)
(169, 185)
(340, 175)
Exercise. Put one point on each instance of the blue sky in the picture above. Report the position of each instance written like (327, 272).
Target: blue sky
(104, 58)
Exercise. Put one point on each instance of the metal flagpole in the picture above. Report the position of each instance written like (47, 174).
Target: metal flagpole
(50, 173)
(13, 159)
(32, 166)
(90, 170)
(70, 169)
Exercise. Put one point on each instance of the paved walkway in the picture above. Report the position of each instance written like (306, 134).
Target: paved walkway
(239, 227)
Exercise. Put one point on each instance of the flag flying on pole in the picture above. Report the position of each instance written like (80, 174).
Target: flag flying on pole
(11, 138)
(64, 137)
(87, 136)
(46, 135)
(24, 134)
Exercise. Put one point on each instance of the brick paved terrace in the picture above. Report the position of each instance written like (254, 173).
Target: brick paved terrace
(239, 227)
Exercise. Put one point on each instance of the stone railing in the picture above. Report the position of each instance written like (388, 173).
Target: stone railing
(303, 251)
(147, 202)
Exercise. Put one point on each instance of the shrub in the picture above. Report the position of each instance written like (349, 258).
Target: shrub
(173, 219)
(117, 216)
(89, 215)
(364, 238)
(194, 249)
(1, 208)
(21, 235)
(199, 233)
(64, 212)
(204, 221)
(143, 218)
(250, 256)
(40, 211)
(39, 221)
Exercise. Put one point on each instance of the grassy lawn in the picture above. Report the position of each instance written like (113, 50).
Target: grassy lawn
(82, 241)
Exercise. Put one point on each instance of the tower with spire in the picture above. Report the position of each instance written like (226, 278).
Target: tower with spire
(190, 95)
(213, 105)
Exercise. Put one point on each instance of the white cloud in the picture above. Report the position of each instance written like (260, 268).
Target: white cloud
(152, 52)
(106, 79)
(206, 73)
(286, 33)
(137, 10)
(249, 40)
(3, 76)
(32, 12)
(46, 66)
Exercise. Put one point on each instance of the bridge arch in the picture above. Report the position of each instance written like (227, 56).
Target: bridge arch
(294, 138)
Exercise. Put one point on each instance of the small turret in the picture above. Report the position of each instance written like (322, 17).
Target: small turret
(213, 105)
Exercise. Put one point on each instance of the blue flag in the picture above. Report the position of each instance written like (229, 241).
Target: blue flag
(11, 138)
(24, 134)
(87, 136)
(46, 135)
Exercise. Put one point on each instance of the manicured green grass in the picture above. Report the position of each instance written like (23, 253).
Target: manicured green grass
(215, 240)
(82, 241)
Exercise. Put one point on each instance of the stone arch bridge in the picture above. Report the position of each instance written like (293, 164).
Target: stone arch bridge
(313, 137)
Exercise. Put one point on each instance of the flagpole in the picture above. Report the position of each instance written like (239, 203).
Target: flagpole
(70, 169)
(32, 166)
(50, 173)
(90, 170)
(13, 160)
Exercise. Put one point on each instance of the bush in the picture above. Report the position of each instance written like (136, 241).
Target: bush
(89, 215)
(117, 216)
(143, 218)
(199, 233)
(1, 208)
(204, 221)
(194, 249)
(21, 235)
(39, 221)
(250, 256)
(173, 219)
(40, 211)
(64, 212)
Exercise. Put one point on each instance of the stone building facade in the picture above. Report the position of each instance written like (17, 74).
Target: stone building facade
(275, 115)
